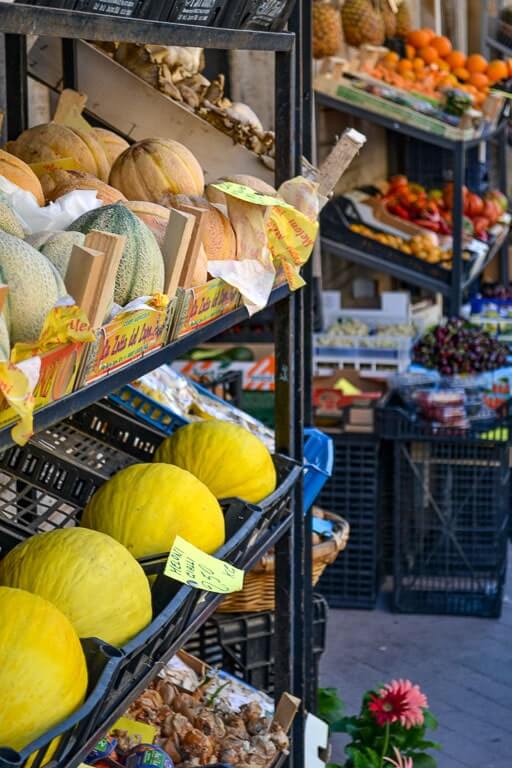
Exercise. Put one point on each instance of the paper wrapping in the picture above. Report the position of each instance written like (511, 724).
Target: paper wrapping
(271, 233)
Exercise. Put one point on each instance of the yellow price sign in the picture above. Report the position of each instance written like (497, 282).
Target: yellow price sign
(191, 566)
(144, 731)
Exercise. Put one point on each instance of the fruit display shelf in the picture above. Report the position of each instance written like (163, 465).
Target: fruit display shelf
(415, 131)
(338, 238)
(46, 484)
(78, 400)
(22, 19)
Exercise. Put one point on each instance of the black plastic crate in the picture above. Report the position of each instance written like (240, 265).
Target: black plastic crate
(451, 510)
(352, 581)
(433, 166)
(243, 644)
(263, 15)
(206, 13)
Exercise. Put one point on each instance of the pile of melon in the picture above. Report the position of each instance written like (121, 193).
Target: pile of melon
(137, 186)
(72, 583)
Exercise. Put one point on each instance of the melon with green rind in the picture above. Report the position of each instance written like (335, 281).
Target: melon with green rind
(72, 568)
(57, 249)
(10, 222)
(5, 345)
(141, 272)
(43, 674)
(34, 288)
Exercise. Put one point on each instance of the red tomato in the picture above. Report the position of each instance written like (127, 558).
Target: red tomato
(481, 225)
(491, 211)
(474, 205)
(448, 194)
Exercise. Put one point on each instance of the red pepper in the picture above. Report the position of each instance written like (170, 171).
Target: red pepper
(433, 226)
(399, 210)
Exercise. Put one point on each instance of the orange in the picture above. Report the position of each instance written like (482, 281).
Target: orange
(390, 60)
(443, 65)
(462, 74)
(410, 51)
(497, 70)
(418, 38)
(404, 65)
(409, 75)
(448, 81)
(418, 64)
(428, 54)
(430, 34)
(456, 59)
(476, 63)
(442, 45)
(479, 80)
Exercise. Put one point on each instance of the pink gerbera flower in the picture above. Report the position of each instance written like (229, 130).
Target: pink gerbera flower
(399, 701)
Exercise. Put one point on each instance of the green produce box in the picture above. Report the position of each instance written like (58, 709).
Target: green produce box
(260, 405)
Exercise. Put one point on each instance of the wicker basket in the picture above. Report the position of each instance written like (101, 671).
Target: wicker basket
(259, 584)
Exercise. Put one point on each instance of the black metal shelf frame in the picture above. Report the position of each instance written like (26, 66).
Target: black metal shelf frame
(292, 600)
(454, 294)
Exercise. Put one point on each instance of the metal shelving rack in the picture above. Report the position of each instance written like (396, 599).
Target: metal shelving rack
(293, 609)
(454, 288)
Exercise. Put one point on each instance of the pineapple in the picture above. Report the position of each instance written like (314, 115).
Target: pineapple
(362, 22)
(389, 18)
(327, 37)
(403, 20)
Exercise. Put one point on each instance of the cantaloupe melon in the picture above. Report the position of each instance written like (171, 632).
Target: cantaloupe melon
(57, 249)
(113, 144)
(156, 217)
(219, 238)
(43, 674)
(5, 345)
(141, 272)
(34, 288)
(19, 173)
(9, 221)
(52, 141)
(151, 168)
(61, 182)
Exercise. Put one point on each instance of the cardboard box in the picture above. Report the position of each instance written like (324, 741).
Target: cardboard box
(57, 378)
(128, 337)
(201, 305)
(355, 412)
(257, 374)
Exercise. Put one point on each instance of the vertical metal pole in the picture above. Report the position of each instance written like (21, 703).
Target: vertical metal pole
(290, 659)
(69, 64)
(458, 213)
(16, 85)
(503, 185)
(301, 24)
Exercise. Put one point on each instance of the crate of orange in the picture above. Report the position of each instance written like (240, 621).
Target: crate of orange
(431, 65)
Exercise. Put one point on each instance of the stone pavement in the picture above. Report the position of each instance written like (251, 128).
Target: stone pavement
(463, 665)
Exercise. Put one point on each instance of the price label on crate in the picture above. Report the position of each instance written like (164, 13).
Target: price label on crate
(191, 566)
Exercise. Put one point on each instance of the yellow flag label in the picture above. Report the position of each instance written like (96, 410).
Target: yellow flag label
(63, 324)
(195, 568)
(146, 731)
(63, 164)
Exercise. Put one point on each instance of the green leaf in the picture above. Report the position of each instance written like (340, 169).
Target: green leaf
(429, 720)
(329, 705)
(422, 760)
(425, 744)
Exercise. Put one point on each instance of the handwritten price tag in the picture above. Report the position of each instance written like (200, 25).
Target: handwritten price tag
(191, 566)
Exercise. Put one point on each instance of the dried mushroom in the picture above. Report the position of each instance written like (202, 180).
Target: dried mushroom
(195, 730)
(176, 72)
